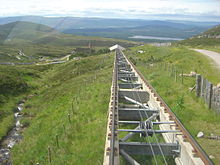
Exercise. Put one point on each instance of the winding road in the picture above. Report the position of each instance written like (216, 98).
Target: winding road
(213, 55)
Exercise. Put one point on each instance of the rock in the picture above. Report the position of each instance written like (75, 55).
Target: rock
(211, 157)
(192, 74)
(200, 135)
(20, 108)
(18, 124)
(11, 144)
(218, 85)
(16, 115)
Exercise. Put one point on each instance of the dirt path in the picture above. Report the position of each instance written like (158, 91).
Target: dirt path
(213, 55)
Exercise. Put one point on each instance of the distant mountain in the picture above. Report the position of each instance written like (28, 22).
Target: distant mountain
(21, 32)
(20, 39)
(156, 29)
(117, 28)
(211, 33)
(24, 31)
(210, 37)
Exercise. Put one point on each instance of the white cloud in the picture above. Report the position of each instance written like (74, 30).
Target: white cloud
(124, 7)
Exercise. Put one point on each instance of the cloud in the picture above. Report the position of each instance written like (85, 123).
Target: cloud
(114, 8)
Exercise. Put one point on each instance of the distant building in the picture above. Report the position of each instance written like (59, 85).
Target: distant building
(116, 47)
(141, 51)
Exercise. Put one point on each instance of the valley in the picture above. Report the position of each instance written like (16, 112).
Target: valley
(65, 114)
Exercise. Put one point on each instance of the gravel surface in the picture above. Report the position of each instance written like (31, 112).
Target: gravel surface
(213, 55)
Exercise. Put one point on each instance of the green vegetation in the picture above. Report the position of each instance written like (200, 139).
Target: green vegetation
(71, 104)
(15, 83)
(36, 40)
(207, 40)
(192, 111)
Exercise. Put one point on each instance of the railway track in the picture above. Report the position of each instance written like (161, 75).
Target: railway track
(141, 123)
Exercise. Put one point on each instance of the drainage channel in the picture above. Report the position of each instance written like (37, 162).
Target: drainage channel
(13, 136)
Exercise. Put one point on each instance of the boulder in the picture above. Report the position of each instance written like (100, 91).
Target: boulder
(200, 135)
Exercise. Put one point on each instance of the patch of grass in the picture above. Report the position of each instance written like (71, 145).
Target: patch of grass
(71, 104)
(16, 82)
(192, 111)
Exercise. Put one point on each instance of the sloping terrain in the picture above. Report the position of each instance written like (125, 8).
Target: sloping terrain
(71, 106)
(156, 29)
(28, 41)
(160, 65)
(118, 28)
(15, 83)
(209, 39)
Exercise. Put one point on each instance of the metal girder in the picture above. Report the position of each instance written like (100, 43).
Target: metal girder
(128, 158)
(137, 95)
(127, 77)
(135, 102)
(124, 66)
(140, 148)
(129, 85)
(130, 114)
(126, 73)
(150, 131)
(129, 135)
(138, 122)
(123, 69)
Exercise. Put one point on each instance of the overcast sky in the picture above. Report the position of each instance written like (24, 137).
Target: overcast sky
(109, 8)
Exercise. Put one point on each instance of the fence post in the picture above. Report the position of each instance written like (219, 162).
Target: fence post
(49, 155)
(182, 76)
(210, 95)
(57, 140)
(175, 72)
(198, 85)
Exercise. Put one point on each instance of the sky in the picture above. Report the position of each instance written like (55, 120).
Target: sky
(112, 8)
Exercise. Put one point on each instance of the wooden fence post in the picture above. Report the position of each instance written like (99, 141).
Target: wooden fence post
(175, 72)
(49, 155)
(64, 129)
(182, 76)
(210, 95)
(198, 85)
(57, 140)
(69, 118)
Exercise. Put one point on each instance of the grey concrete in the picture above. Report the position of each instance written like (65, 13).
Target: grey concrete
(138, 148)
(129, 114)
(137, 95)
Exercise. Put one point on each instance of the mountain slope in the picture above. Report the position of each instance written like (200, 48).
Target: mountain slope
(80, 89)
(117, 28)
(24, 31)
(36, 40)
(209, 39)
(211, 33)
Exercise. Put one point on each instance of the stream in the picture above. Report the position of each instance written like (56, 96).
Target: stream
(13, 136)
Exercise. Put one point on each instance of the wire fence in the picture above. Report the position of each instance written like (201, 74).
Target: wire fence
(209, 92)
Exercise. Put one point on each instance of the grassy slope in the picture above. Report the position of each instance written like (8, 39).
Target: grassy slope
(15, 83)
(37, 40)
(192, 111)
(73, 83)
(207, 40)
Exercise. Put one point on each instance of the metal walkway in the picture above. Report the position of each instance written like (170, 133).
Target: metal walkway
(137, 112)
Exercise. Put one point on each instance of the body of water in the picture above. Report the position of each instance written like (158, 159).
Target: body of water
(156, 38)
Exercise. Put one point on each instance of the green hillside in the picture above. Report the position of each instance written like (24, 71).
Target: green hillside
(208, 40)
(78, 88)
(36, 40)
(23, 31)
(157, 63)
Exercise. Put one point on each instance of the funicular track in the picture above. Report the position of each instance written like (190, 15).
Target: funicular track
(136, 108)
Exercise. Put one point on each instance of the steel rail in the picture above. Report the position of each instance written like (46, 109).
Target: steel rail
(114, 115)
